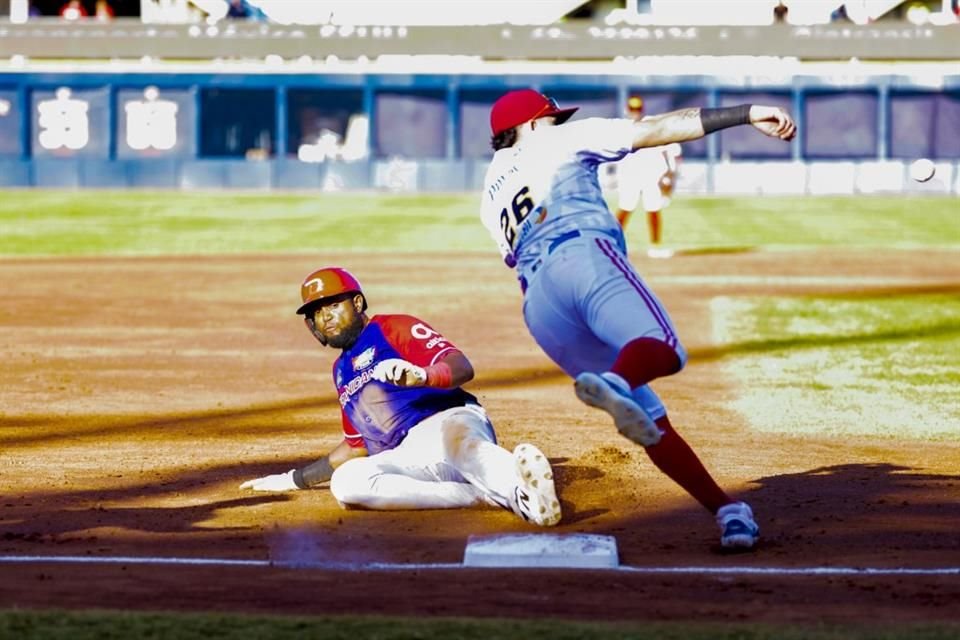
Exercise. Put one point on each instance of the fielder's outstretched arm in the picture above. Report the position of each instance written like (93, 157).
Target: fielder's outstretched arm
(690, 124)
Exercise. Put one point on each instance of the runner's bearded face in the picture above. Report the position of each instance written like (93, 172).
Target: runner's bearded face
(339, 322)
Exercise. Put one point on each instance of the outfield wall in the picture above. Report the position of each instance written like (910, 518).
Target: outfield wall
(341, 130)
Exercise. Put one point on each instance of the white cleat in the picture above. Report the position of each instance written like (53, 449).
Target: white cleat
(535, 497)
(660, 253)
(603, 393)
(738, 529)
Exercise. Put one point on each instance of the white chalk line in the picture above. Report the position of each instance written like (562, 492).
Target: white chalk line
(395, 566)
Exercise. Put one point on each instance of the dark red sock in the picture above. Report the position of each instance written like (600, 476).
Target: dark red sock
(645, 359)
(676, 459)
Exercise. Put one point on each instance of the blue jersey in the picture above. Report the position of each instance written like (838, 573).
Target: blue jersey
(547, 186)
(378, 415)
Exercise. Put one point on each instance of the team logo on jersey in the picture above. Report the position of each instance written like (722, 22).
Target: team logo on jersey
(354, 386)
(423, 332)
(542, 216)
(364, 360)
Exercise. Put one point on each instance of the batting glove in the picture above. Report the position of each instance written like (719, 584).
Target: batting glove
(400, 373)
(276, 482)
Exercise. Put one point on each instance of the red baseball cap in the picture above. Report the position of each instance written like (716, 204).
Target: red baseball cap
(523, 105)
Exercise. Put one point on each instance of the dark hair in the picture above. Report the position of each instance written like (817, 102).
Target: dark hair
(504, 139)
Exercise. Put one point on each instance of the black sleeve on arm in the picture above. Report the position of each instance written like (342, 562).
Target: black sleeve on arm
(313, 474)
(724, 117)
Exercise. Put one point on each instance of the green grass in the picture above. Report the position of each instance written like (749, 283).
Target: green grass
(794, 222)
(159, 626)
(871, 366)
(59, 223)
(129, 223)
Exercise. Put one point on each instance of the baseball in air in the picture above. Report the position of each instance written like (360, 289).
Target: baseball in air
(922, 170)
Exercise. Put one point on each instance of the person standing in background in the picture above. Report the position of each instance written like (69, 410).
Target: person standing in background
(73, 10)
(780, 13)
(102, 11)
(237, 9)
(648, 177)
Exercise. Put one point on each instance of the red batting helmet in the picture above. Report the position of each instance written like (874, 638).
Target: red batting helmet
(327, 283)
(523, 105)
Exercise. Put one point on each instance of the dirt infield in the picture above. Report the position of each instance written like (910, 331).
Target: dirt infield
(138, 393)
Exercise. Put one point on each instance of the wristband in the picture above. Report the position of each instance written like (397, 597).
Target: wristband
(313, 474)
(439, 375)
(723, 118)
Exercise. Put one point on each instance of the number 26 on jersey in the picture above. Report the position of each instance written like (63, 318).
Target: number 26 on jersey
(511, 219)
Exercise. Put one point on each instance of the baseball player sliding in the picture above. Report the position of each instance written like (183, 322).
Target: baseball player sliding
(584, 303)
(412, 437)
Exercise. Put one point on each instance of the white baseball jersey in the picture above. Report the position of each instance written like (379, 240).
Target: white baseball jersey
(547, 185)
(544, 207)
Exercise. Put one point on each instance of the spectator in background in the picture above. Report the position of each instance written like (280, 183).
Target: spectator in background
(73, 10)
(102, 11)
(780, 13)
(647, 177)
(238, 9)
(840, 14)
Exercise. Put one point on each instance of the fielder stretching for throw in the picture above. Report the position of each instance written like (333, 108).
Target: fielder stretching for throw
(584, 303)
(412, 438)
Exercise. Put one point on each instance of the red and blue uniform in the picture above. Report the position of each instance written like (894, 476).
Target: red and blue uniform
(378, 415)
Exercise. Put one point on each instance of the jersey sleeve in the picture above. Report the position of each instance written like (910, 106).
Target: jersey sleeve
(350, 433)
(415, 340)
(599, 140)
